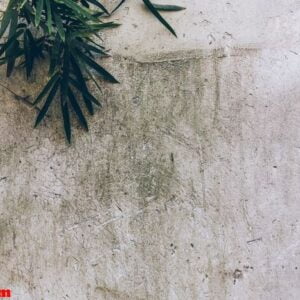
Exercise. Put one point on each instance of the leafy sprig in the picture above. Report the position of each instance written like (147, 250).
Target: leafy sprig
(65, 33)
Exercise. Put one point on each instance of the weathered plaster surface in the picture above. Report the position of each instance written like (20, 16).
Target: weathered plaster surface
(186, 187)
(209, 24)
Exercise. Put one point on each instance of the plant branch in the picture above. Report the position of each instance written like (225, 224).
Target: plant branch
(19, 97)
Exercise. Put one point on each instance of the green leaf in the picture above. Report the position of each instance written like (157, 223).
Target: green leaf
(49, 16)
(100, 70)
(19, 52)
(92, 48)
(66, 66)
(155, 12)
(65, 77)
(94, 80)
(82, 85)
(60, 26)
(47, 104)
(9, 15)
(28, 53)
(64, 86)
(21, 5)
(77, 110)
(54, 52)
(28, 12)
(53, 80)
(14, 23)
(98, 4)
(162, 7)
(101, 26)
(15, 45)
(84, 3)
(66, 119)
(80, 10)
(5, 21)
(91, 98)
(118, 6)
(87, 96)
(6, 45)
(38, 14)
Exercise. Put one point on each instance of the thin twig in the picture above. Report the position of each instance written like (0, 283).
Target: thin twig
(254, 240)
(118, 6)
(20, 98)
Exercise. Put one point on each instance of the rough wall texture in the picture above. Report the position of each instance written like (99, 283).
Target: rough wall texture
(186, 187)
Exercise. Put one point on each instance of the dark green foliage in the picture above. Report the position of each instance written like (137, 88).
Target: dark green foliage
(62, 32)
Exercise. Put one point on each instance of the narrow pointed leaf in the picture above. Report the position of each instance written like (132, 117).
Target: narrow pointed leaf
(55, 54)
(47, 87)
(38, 14)
(77, 110)
(81, 81)
(94, 80)
(155, 12)
(65, 75)
(28, 55)
(86, 95)
(91, 98)
(100, 70)
(98, 4)
(49, 16)
(66, 120)
(15, 45)
(80, 10)
(84, 3)
(92, 48)
(5, 21)
(47, 104)
(5, 46)
(118, 6)
(162, 7)
(60, 27)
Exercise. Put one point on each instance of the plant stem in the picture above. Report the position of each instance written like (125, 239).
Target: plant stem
(19, 97)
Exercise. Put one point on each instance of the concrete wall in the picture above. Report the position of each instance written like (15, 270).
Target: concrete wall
(186, 187)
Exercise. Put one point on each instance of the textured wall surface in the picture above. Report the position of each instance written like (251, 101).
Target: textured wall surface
(187, 185)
